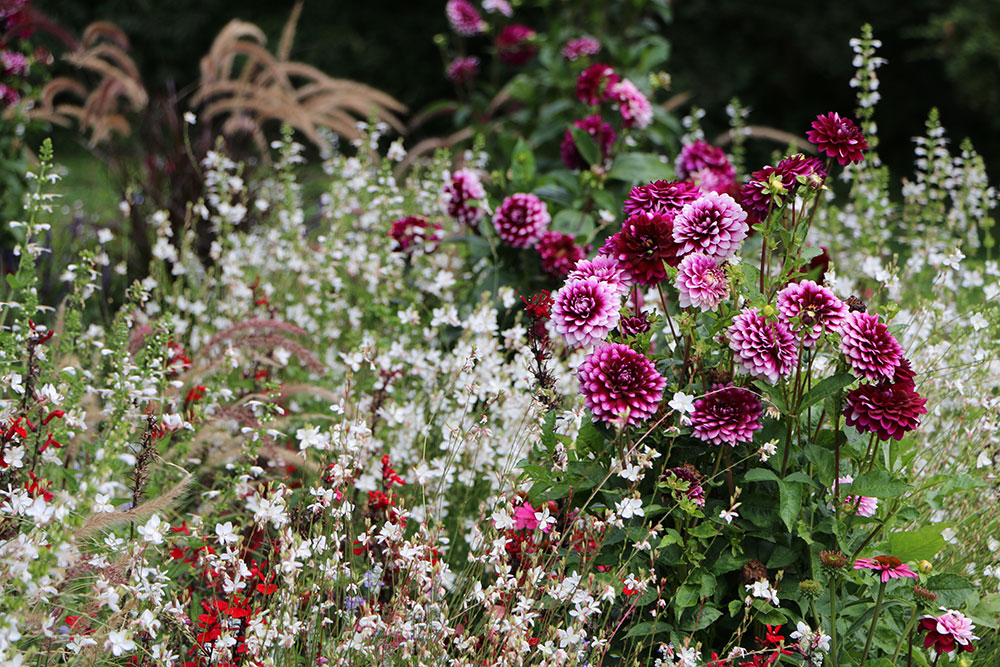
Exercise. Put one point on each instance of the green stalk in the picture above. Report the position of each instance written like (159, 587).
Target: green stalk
(833, 620)
(871, 630)
(906, 633)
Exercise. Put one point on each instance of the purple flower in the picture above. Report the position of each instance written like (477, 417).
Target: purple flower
(727, 415)
(887, 410)
(634, 107)
(514, 45)
(604, 268)
(764, 348)
(411, 231)
(13, 63)
(619, 383)
(701, 282)
(868, 346)
(463, 69)
(838, 137)
(559, 253)
(634, 325)
(594, 82)
(816, 308)
(770, 187)
(464, 18)
(707, 166)
(521, 219)
(604, 136)
(464, 188)
(713, 224)
(581, 46)
(644, 243)
(667, 197)
(585, 311)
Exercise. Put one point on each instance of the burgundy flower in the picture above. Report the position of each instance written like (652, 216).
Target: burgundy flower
(948, 631)
(713, 224)
(707, 166)
(521, 219)
(604, 136)
(604, 268)
(411, 231)
(726, 415)
(463, 69)
(634, 325)
(462, 194)
(644, 243)
(580, 47)
(661, 197)
(868, 346)
(701, 282)
(8, 96)
(770, 187)
(904, 373)
(463, 17)
(808, 171)
(559, 253)
(685, 475)
(764, 348)
(838, 137)
(593, 83)
(617, 382)
(816, 308)
(585, 311)
(514, 44)
(887, 410)
(634, 107)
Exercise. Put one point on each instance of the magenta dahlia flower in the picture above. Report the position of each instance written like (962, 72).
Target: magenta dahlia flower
(707, 166)
(764, 348)
(463, 69)
(949, 631)
(868, 346)
(713, 224)
(769, 188)
(498, 7)
(813, 308)
(634, 107)
(634, 325)
(619, 383)
(521, 219)
(462, 195)
(464, 18)
(861, 505)
(559, 253)
(604, 268)
(904, 373)
(701, 282)
(808, 171)
(514, 45)
(685, 475)
(603, 134)
(585, 311)
(887, 410)
(838, 137)
(667, 197)
(594, 82)
(727, 415)
(644, 243)
(888, 567)
(411, 231)
(13, 63)
(580, 47)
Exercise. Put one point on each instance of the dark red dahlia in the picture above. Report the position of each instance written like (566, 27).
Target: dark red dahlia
(604, 136)
(770, 187)
(887, 410)
(559, 253)
(634, 325)
(412, 232)
(838, 137)
(644, 243)
(514, 45)
(593, 83)
(667, 197)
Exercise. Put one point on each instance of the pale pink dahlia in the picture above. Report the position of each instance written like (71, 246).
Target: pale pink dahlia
(559, 253)
(594, 82)
(585, 311)
(764, 348)
(707, 166)
(713, 224)
(462, 195)
(521, 219)
(619, 383)
(464, 18)
(463, 69)
(580, 47)
(604, 268)
(949, 631)
(816, 308)
(727, 415)
(887, 410)
(838, 137)
(642, 246)
(869, 347)
(865, 506)
(667, 197)
(634, 107)
(701, 282)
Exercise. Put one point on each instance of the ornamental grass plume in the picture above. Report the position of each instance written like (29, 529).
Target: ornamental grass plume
(701, 282)
(727, 415)
(585, 311)
(713, 224)
(619, 383)
(763, 347)
(643, 245)
(869, 348)
(810, 309)
(838, 137)
(521, 219)
(667, 197)
(889, 410)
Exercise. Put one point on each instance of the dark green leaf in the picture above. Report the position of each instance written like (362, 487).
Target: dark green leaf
(522, 167)
(640, 168)
(922, 544)
(826, 387)
(586, 145)
(878, 484)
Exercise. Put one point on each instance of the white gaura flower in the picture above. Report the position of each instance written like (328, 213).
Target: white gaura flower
(629, 507)
(119, 642)
(226, 533)
(153, 531)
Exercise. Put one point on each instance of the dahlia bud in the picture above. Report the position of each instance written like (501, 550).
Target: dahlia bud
(924, 594)
(856, 304)
(768, 310)
(754, 570)
(834, 560)
(810, 588)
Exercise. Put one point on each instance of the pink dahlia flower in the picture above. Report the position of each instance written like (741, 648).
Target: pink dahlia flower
(865, 506)
(868, 346)
(948, 631)
(727, 415)
(594, 82)
(764, 348)
(411, 231)
(888, 567)
(838, 137)
(559, 253)
(498, 7)
(707, 166)
(713, 224)
(521, 219)
(463, 69)
(634, 325)
(604, 136)
(701, 282)
(13, 63)
(887, 410)
(644, 243)
(580, 47)
(634, 107)
(464, 18)
(814, 308)
(604, 268)
(462, 195)
(585, 311)
(514, 46)
(619, 383)
(661, 197)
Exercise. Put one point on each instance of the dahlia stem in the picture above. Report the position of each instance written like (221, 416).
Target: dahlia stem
(906, 633)
(833, 620)
(666, 314)
(871, 630)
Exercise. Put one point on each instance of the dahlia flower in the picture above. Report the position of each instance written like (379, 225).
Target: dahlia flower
(13, 63)
(713, 224)
(726, 415)
(634, 325)
(410, 231)
(661, 197)
(604, 268)
(498, 7)
(764, 348)
(604, 136)
(644, 243)
(948, 631)
(580, 47)
(694, 491)
(888, 567)
(887, 410)
(463, 69)
(619, 383)
(559, 253)
(707, 166)
(803, 170)
(838, 137)
(461, 196)
(816, 308)
(594, 82)
(770, 187)
(464, 18)
(634, 107)
(868, 346)
(865, 506)
(701, 282)
(521, 219)
(514, 45)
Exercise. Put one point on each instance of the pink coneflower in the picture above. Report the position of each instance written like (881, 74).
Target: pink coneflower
(585, 311)
(412, 231)
(634, 107)
(887, 410)
(815, 309)
(865, 506)
(593, 83)
(514, 45)
(604, 268)
(580, 47)
(619, 383)
(521, 219)
(685, 474)
(559, 253)
(644, 243)
(949, 631)
(764, 348)
(667, 197)
(889, 567)
(462, 195)
(838, 137)
(464, 18)
(713, 224)
(868, 346)
(701, 282)
(707, 166)
(463, 69)
(603, 134)
(727, 415)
